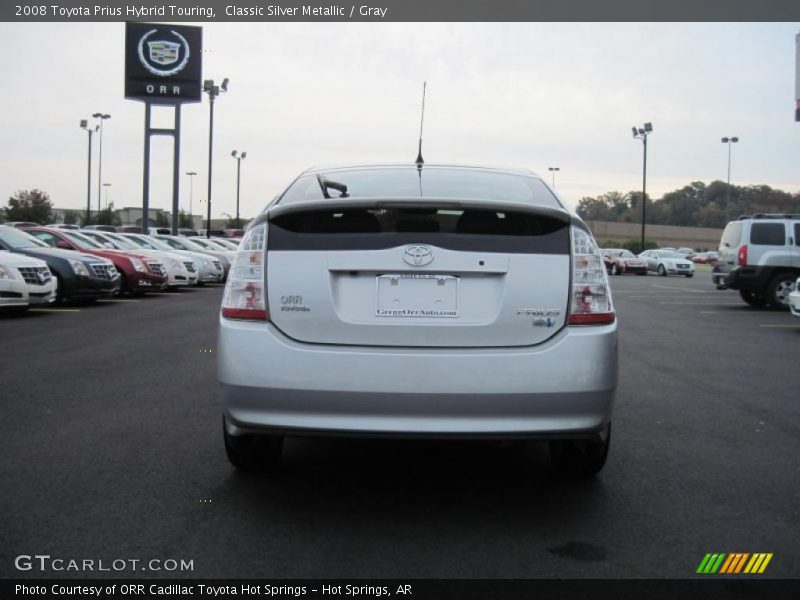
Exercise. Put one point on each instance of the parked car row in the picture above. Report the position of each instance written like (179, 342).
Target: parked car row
(40, 265)
(662, 261)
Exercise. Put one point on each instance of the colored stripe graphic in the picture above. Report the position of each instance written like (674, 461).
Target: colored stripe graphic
(734, 563)
(711, 563)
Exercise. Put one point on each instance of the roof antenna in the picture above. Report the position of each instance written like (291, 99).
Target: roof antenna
(419, 162)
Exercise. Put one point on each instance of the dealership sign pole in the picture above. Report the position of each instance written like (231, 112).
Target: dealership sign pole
(163, 66)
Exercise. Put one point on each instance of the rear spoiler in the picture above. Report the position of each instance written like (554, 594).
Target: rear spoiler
(558, 214)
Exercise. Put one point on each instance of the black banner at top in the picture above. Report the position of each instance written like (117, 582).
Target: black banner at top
(402, 10)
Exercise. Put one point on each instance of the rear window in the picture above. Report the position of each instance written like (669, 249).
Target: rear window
(732, 234)
(430, 182)
(377, 228)
(768, 234)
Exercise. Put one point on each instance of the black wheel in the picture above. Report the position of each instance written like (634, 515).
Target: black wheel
(689, 274)
(754, 299)
(662, 271)
(580, 458)
(252, 452)
(614, 269)
(779, 289)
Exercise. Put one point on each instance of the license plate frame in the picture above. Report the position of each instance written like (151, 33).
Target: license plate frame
(421, 297)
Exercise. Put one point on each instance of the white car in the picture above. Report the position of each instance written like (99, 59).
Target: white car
(25, 281)
(199, 244)
(667, 262)
(794, 299)
(181, 270)
(209, 268)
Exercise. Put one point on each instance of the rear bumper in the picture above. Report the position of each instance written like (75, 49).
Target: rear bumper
(748, 278)
(562, 388)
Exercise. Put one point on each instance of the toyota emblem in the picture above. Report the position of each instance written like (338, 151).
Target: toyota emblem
(418, 256)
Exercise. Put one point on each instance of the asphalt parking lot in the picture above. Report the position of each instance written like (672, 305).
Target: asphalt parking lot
(113, 449)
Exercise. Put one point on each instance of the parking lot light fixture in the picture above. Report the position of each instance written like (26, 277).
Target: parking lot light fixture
(553, 171)
(191, 175)
(213, 90)
(239, 158)
(106, 185)
(641, 133)
(102, 117)
(728, 141)
(90, 131)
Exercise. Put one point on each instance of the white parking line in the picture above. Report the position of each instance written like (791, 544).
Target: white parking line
(708, 303)
(783, 325)
(670, 287)
(118, 300)
(55, 310)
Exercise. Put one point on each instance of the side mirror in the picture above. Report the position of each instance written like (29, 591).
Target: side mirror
(63, 244)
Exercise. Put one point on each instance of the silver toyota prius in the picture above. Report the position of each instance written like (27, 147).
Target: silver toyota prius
(410, 300)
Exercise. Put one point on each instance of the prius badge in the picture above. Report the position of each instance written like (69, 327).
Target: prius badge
(418, 256)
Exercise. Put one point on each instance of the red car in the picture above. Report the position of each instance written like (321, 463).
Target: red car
(705, 258)
(619, 261)
(139, 273)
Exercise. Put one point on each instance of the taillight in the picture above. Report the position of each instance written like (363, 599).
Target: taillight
(591, 298)
(246, 292)
(742, 258)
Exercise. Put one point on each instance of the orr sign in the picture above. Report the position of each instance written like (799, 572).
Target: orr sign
(163, 63)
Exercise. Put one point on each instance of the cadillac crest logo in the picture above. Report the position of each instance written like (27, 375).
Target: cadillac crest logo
(164, 55)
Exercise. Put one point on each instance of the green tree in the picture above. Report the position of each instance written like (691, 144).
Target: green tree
(29, 205)
(107, 216)
(185, 220)
(161, 219)
(71, 217)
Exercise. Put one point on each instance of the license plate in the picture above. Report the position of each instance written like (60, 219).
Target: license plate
(416, 296)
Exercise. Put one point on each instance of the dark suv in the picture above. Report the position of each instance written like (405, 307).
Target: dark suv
(80, 276)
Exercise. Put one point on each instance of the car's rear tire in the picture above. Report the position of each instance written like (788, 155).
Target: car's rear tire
(614, 269)
(662, 271)
(779, 289)
(754, 299)
(252, 453)
(580, 458)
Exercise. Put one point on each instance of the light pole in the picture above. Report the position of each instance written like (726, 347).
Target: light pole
(85, 125)
(191, 175)
(213, 91)
(729, 141)
(553, 171)
(642, 133)
(102, 117)
(239, 158)
(106, 185)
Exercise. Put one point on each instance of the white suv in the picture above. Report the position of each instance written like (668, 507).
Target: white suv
(432, 301)
(759, 255)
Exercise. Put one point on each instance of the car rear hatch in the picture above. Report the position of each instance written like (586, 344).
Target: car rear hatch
(426, 273)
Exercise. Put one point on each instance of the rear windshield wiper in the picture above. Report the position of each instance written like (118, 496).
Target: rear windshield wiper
(324, 184)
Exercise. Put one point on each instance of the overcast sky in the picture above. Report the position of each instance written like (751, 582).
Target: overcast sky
(525, 95)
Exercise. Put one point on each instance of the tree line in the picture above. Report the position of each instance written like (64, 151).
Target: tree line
(694, 205)
(35, 206)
